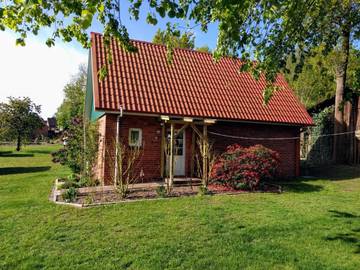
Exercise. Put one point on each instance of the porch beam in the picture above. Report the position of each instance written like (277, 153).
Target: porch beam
(209, 121)
(188, 119)
(181, 130)
(197, 131)
(175, 121)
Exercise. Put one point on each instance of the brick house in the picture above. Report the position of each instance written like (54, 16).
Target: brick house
(144, 99)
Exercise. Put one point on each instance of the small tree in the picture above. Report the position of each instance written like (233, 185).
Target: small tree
(81, 149)
(74, 96)
(126, 159)
(19, 118)
(91, 147)
(211, 159)
(169, 184)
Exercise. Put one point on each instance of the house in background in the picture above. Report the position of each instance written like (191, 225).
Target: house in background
(144, 100)
(41, 132)
(52, 127)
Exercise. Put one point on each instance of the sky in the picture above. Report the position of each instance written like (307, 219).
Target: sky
(40, 72)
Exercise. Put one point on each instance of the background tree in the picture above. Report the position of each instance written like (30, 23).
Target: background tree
(185, 40)
(19, 119)
(314, 83)
(316, 80)
(204, 48)
(74, 98)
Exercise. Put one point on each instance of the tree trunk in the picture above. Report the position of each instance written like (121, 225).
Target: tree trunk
(18, 144)
(339, 125)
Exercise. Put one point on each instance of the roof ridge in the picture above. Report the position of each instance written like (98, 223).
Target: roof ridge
(164, 46)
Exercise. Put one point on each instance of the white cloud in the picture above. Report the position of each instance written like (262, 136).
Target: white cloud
(37, 71)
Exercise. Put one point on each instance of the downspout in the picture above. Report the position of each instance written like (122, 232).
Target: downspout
(117, 145)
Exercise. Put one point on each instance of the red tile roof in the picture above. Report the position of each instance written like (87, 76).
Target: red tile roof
(193, 85)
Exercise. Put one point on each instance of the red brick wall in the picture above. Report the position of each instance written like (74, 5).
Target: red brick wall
(149, 162)
(288, 149)
(99, 166)
(105, 163)
(151, 135)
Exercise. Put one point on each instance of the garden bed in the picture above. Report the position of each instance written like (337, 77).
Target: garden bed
(101, 195)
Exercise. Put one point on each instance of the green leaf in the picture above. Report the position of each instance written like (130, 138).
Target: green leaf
(20, 41)
(150, 19)
(103, 72)
(50, 42)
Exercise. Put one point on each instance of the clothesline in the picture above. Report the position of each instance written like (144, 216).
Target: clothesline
(278, 138)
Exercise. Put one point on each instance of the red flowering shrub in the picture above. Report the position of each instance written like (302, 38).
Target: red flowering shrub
(245, 168)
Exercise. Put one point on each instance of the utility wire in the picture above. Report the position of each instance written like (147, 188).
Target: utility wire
(278, 138)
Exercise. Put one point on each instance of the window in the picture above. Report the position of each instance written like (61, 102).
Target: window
(135, 137)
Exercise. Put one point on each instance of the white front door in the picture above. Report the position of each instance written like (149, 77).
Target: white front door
(179, 154)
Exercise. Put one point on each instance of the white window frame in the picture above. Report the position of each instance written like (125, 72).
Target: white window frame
(139, 143)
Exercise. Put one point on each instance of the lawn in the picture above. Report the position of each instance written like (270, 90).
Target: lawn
(315, 224)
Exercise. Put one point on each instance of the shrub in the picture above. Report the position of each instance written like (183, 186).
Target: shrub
(161, 191)
(59, 156)
(81, 150)
(244, 168)
(242, 186)
(89, 199)
(203, 190)
(71, 181)
(70, 194)
(77, 181)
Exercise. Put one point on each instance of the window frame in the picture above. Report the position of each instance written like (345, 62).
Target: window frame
(139, 143)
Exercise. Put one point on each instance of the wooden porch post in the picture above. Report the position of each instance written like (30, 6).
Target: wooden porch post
(193, 141)
(205, 156)
(162, 151)
(171, 159)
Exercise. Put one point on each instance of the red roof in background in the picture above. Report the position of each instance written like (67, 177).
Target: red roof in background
(193, 85)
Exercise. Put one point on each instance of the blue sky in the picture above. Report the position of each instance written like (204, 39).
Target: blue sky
(41, 73)
(140, 30)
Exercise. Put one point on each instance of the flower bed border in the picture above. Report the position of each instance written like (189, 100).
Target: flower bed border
(86, 190)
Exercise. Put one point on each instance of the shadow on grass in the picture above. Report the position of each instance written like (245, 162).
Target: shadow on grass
(15, 154)
(333, 172)
(40, 151)
(348, 238)
(340, 214)
(18, 170)
(300, 186)
(352, 237)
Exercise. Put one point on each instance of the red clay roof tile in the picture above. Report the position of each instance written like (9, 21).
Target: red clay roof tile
(193, 85)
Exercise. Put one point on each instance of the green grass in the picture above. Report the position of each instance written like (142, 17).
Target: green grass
(314, 225)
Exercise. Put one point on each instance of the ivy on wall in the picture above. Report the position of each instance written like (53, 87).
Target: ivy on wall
(317, 148)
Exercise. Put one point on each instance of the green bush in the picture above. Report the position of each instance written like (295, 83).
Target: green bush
(70, 194)
(243, 186)
(79, 157)
(76, 181)
(59, 156)
(203, 190)
(161, 191)
(89, 199)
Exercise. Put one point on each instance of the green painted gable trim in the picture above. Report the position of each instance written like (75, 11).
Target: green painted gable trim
(90, 112)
